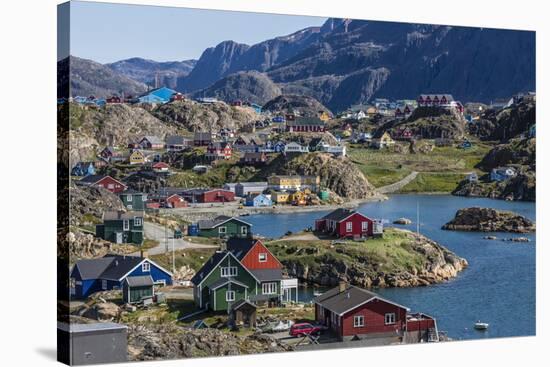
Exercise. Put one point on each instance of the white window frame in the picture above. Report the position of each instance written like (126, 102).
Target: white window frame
(359, 321)
(349, 226)
(110, 186)
(228, 271)
(146, 267)
(262, 255)
(364, 226)
(222, 230)
(129, 197)
(229, 296)
(244, 230)
(138, 221)
(125, 225)
(269, 288)
(391, 317)
(129, 206)
(104, 285)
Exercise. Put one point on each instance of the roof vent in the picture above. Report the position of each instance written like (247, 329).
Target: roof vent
(116, 262)
(342, 286)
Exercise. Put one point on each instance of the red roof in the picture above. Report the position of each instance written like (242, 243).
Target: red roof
(161, 165)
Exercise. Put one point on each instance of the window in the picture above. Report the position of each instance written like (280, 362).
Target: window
(129, 198)
(349, 226)
(111, 186)
(145, 267)
(230, 296)
(229, 271)
(389, 318)
(269, 288)
(104, 284)
(126, 225)
(262, 257)
(137, 221)
(244, 230)
(364, 226)
(144, 198)
(129, 206)
(222, 230)
(358, 321)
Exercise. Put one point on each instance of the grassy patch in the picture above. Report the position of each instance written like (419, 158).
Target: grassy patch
(192, 258)
(433, 182)
(159, 314)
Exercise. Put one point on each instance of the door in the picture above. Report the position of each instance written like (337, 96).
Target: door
(119, 237)
(286, 295)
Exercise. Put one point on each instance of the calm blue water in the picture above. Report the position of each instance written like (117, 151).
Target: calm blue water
(498, 287)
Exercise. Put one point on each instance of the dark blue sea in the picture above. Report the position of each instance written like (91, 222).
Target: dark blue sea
(498, 287)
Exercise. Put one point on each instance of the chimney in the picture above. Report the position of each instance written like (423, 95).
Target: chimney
(342, 286)
(143, 253)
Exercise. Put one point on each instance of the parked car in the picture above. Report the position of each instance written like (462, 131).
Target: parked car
(303, 329)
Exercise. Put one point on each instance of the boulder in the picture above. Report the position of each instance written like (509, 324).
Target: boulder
(489, 220)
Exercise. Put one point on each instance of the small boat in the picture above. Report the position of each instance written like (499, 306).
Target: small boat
(316, 293)
(481, 326)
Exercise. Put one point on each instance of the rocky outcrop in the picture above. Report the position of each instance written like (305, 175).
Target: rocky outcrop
(520, 188)
(194, 116)
(489, 220)
(515, 152)
(433, 263)
(303, 105)
(167, 341)
(89, 203)
(505, 123)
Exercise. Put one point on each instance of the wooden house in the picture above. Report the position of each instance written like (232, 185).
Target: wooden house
(83, 169)
(160, 167)
(136, 157)
(256, 158)
(208, 195)
(259, 200)
(177, 97)
(114, 99)
(243, 189)
(219, 150)
(345, 223)
(151, 142)
(305, 124)
(104, 181)
(176, 143)
(133, 200)
(202, 139)
(111, 271)
(224, 227)
(243, 313)
(384, 141)
(121, 227)
(135, 289)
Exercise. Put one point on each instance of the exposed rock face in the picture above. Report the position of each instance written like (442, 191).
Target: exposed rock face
(516, 152)
(438, 265)
(489, 220)
(250, 86)
(506, 123)
(105, 311)
(304, 105)
(183, 273)
(521, 188)
(88, 203)
(150, 342)
(194, 116)
(337, 174)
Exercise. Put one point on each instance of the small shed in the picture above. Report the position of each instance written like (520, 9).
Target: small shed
(244, 313)
(137, 288)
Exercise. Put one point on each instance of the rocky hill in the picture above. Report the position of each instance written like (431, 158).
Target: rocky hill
(116, 125)
(145, 71)
(194, 116)
(400, 259)
(489, 220)
(507, 123)
(88, 77)
(523, 187)
(250, 86)
(304, 105)
(515, 152)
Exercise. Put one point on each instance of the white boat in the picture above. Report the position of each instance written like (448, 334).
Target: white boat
(481, 325)
(283, 326)
(316, 293)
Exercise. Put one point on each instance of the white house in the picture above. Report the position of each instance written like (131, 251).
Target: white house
(296, 148)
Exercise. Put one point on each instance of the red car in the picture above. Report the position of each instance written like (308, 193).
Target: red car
(305, 328)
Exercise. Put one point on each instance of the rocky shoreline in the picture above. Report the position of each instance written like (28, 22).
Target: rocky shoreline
(436, 264)
(477, 219)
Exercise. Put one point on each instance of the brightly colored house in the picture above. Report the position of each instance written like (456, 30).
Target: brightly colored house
(83, 169)
(224, 227)
(121, 227)
(104, 181)
(133, 200)
(158, 95)
(345, 223)
(136, 157)
(258, 200)
(110, 272)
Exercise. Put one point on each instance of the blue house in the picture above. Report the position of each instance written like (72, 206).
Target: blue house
(110, 272)
(258, 200)
(279, 147)
(503, 173)
(158, 95)
(466, 144)
(83, 169)
(279, 119)
(256, 107)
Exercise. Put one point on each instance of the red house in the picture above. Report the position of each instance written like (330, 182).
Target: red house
(175, 201)
(306, 124)
(252, 254)
(219, 150)
(107, 182)
(161, 167)
(353, 313)
(345, 223)
(177, 97)
(113, 99)
(208, 195)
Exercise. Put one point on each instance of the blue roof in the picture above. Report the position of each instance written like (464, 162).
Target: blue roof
(162, 95)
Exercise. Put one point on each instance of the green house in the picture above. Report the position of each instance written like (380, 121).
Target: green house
(121, 227)
(224, 227)
(137, 288)
(133, 200)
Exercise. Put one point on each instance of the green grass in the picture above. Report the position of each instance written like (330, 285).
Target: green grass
(438, 169)
(192, 258)
(160, 314)
(392, 253)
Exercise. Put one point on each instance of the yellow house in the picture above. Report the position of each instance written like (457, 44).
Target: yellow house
(285, 182)
(280, 197)
(383, 142)
(137, 157)
(371, 111)
(299, 197)
(324, 116)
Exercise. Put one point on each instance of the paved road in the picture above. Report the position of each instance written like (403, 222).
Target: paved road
(156, 232)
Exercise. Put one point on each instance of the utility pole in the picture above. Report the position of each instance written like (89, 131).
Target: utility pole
(417, 218)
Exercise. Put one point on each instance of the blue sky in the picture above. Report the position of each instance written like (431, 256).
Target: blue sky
(111, 32)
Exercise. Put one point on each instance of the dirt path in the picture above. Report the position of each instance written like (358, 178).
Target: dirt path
(396, 186)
